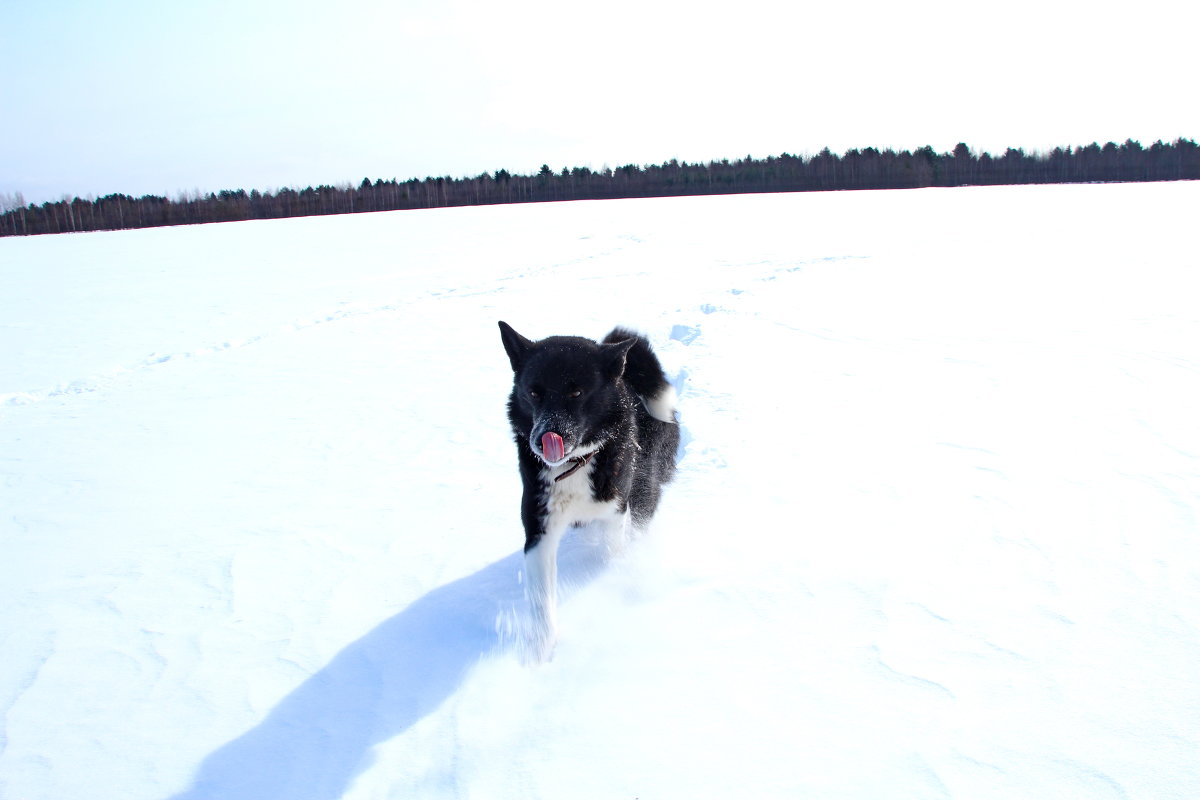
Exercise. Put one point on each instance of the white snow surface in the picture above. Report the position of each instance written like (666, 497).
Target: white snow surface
(934, 532)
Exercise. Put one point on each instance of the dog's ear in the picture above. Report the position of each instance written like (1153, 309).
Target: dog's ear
(516, 345)
(612, 357)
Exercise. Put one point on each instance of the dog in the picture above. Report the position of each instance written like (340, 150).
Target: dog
(596, 433)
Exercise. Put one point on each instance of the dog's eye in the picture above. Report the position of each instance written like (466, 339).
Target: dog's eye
(536, 395)
(575, 394)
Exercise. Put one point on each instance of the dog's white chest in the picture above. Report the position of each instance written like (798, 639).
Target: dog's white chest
(570, 501)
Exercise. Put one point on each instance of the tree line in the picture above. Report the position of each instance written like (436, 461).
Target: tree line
(868, 168)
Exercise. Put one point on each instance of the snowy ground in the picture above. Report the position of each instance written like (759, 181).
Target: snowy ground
(934, 532)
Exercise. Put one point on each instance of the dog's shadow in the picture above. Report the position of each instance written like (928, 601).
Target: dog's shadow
(319, 737)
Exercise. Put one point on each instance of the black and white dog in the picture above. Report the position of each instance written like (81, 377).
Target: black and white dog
(596, 439)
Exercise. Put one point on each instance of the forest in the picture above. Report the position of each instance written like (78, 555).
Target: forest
(868, 168)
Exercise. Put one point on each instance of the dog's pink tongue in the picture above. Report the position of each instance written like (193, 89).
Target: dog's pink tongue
(552, 447)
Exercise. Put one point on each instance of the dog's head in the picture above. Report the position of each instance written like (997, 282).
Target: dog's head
(567, 394)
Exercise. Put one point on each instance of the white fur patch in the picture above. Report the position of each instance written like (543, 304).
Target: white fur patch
(570, 501)
(662, 406)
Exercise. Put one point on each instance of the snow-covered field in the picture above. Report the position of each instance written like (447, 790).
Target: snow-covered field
(934, 532)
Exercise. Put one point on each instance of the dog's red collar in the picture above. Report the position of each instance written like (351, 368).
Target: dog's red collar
(579, 462)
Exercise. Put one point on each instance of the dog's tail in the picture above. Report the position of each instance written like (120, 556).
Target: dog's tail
(645, 375)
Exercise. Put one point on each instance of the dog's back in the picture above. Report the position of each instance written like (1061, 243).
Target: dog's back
(656, 427)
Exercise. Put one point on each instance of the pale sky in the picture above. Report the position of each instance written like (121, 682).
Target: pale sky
(156, 97)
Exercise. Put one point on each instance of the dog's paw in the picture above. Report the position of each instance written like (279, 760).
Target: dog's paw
(537, 646)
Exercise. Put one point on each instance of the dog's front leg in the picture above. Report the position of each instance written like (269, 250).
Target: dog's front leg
(541, 590)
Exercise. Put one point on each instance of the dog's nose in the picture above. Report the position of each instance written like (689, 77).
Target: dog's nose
(553, 448)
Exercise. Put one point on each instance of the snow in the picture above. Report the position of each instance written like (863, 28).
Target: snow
(934, 532)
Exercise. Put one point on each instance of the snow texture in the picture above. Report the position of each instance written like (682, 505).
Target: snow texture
(934, 533)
